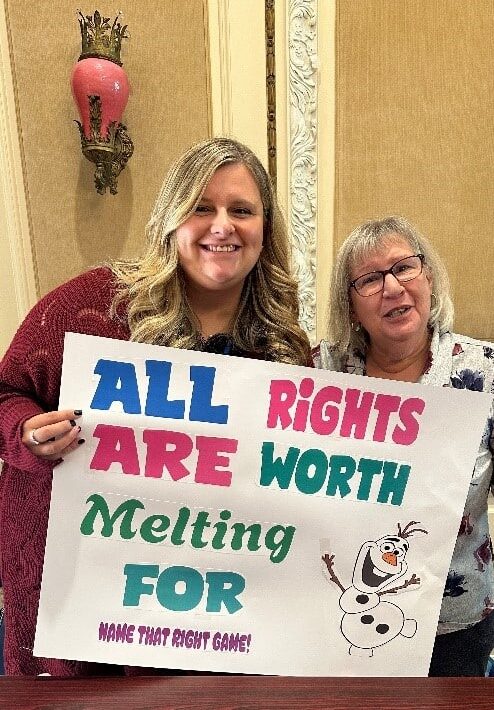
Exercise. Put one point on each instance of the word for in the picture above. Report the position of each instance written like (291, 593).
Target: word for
(164, 450)
(223, 587)
(175, 638)
(312, 470)
(195, 528)
(118, 383)
(346, 413)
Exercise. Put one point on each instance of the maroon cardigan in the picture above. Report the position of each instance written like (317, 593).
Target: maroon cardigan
(30, 384)
(30, 376)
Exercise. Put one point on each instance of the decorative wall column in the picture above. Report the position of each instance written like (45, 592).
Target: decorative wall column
(303, 188)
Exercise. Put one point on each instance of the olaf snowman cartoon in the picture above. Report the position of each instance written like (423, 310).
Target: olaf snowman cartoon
(368, 622)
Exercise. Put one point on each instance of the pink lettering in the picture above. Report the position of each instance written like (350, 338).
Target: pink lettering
(324, 417)
(160, 455)
(116, 445)
(385, 405)
(409, 433)
(283, 394)
(209, 459)
(356, 416)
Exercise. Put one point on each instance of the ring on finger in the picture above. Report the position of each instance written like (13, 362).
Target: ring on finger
(33, 439)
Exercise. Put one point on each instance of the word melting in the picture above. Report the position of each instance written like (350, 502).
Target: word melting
(118, 383)
(196, 530)
(345, 413)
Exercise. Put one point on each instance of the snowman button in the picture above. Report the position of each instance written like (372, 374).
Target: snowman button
(362, 599)
(368, 619)
(382, 628)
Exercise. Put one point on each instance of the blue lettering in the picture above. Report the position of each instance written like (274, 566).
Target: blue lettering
(201, 409)
(157, 402)
(118, 383)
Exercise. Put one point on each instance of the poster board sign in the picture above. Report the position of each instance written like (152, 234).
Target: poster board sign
(227, 514)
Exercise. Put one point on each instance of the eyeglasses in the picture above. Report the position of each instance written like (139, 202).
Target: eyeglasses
(403, 270)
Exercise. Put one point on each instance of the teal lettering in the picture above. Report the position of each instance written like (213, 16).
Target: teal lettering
(342, 469)
(316, 459)
(134, 584)
(224, 588)
(393, 483)
(368, 468)
(277, 469)
(166, 588)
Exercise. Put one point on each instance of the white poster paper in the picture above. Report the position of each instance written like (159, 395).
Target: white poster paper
(227, 514)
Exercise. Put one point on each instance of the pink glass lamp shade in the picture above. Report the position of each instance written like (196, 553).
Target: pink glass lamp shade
(96, 76)
(101, 89)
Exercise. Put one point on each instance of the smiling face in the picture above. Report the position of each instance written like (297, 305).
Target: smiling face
(379, 563)
(221, 242)
(400, 312)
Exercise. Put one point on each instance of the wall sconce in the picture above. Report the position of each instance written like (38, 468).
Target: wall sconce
(101, 89)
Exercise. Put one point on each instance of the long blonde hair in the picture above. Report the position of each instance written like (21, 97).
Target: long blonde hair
(152, 288)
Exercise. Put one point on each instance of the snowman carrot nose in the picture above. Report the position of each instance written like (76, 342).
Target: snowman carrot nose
(390, 558)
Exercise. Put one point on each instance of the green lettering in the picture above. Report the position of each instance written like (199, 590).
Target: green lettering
(152, 525)
(239, 530)
(99, 506)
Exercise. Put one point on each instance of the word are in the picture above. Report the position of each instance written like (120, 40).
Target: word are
(180, 588)
(312, 470)
(164, 450)
(118, 383)
(195, 528)
(176, 638)
(346, 413)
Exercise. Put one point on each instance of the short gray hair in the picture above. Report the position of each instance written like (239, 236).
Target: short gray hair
(360, 243)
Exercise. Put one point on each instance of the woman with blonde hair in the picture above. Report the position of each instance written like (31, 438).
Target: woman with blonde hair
(390, 316)
(215, 277)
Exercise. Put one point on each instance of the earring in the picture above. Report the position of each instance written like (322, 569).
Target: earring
(356, 327)
(433, 300)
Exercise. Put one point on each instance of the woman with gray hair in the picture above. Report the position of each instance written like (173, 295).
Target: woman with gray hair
(215, 277)
(390, 315)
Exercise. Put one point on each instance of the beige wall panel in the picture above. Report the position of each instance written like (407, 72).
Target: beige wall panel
(414, 132)
(72, 226)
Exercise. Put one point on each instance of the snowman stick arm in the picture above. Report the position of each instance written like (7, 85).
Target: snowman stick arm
(413, 580)
(328, 560)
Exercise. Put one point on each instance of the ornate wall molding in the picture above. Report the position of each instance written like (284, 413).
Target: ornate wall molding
(302, 90)
(269, 20)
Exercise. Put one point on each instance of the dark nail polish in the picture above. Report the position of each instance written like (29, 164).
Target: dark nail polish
(81, 441)
(72, 422)
(77, 412)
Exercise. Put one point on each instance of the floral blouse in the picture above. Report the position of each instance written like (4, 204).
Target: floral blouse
(464, 363)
